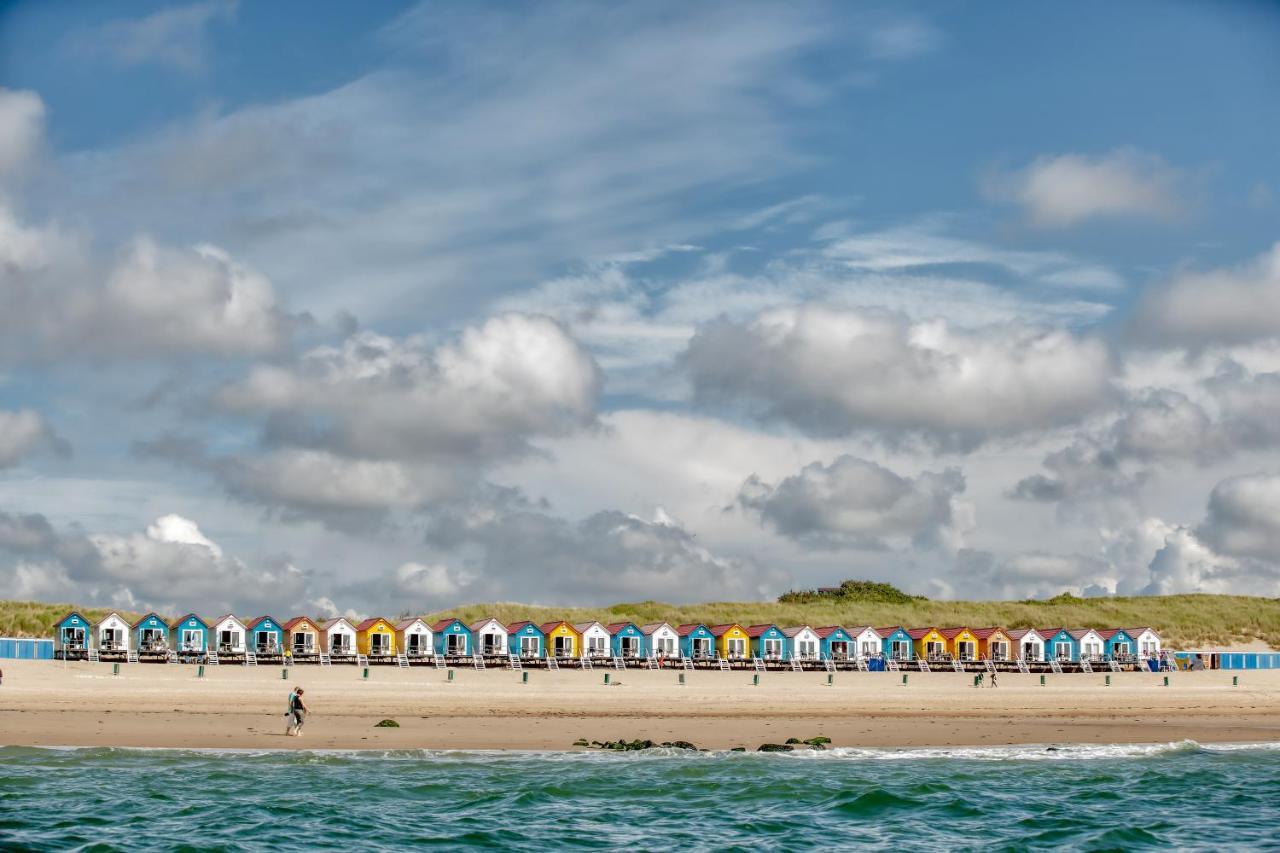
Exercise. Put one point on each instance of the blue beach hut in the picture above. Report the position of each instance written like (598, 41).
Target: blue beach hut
(72, 634)
(768, 642)
(895, 643)
(697, 642)
(1119, 644)
(625, 640)
(452, 638)
(1060, 645)
(266, 636)
(189, 634)
(526, 640)
(836, 643)
(150, 634)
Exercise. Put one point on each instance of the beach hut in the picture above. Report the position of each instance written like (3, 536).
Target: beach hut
(376, 637)
(228, 635)
(661, 640)
(594, 638)
(803, 643)
(302, 637)
(1059, 644)
(453, 638)
(338, 638)
(72, 634)
(896, 643)
(1028, 644)
(1147, 640)
(490, 636)
(1089, 644)
(413, 638)
(562, 640)
(835, 643)
(696, 641)
(1120, 645)
(526, 640)
(625, 640)
(867, 642)
(111, 634)
(732, 641)
(961, 643)
(266, 636)
(994, 643)
(150, 634)
(189, 635)
(767, 642)
(928, 643)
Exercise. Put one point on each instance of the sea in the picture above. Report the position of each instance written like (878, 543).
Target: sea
(1182, 796)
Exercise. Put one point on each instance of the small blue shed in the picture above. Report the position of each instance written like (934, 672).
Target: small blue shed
(189, 634)
(1119, 644)
(72, 634)
(150, 634)
(1060, 645)
(452, 638)
(526, 640)
(895, 642)
(696, 641)
(768, 642)
(836, 643)
(265, 636)
(625, 640)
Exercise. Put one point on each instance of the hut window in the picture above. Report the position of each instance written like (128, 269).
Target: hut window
(808, 649)
(302, 642)
(456, 644)
(110, 638)
(563, 646)
(1061, 650)
(869, 648)
(339, 641)
(701, 647)
(266, 641)
(1122, 648)
(152, 638)
(664, 646)
(630, 646)
(934, 649)
(73, 638)
(191, 640)
(772, 648)
(490, 644)
(965, 650)
(529, 647)
(839, 649)
(900, 649)
(378, 644)
(737, 648)
(999, 651)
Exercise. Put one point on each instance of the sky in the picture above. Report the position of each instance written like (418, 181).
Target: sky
(383, 308)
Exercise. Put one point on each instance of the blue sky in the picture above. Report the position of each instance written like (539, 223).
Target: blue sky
(578, 302)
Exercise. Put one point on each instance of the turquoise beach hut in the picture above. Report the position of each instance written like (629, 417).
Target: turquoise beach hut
(150, 634)
(452, 638)
(768, 642)
(266, 636)
(1120, 645)
(72, 634)
(1060, 645)
(697, 642)
(625, 640)
(835, 643)
(189, 634)
(895, 643)
(526, 640)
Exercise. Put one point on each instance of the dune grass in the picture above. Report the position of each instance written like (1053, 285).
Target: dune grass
(1184, 621)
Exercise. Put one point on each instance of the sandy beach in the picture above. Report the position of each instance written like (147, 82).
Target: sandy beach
(45, 703)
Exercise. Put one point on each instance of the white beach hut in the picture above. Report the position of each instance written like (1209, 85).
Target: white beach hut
(867, 641)
(338, 638)
(1147, 639)
(662, 640)
(803, 641)
(490, 637)
(414, 638)
(595, 639)
(1028, 644)
(228, 635)
(111, 634)
(1092, 645)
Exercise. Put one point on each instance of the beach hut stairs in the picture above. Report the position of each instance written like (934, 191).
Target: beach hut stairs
(724, 664)
(619, 663)
(1023, 667)
(1113, 664)
(93, 654)
(989, 665)
(212, 657)
(829, 665)
(553, 663)
(957, 664)
(250, 658)
(1085, 666)
(325, 659)
(686, 663)
(861, 663)
(131, 656)
(513, 663)
(757, 664)
(1055, 665)
(795, 665)
(891, 664)
(402, 660)
(922, 665)
(585, 663)
(477, 661)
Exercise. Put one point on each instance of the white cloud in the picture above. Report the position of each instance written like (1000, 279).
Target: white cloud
(424, 584)
(1065, 190)
(174, 37)
(836, 372)
(21, 129)
(24, 432)
(1244, 517)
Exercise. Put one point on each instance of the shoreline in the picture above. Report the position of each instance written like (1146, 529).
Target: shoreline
(167, 707)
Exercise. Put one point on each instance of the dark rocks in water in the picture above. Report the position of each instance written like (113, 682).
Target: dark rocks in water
(739, 749)
(680, 744)
(794, 741)
(581, 742)
(637, 744)
(818, 741)
(387, 724)
(775, 747)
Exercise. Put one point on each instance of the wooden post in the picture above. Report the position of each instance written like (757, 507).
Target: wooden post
(1166, 681)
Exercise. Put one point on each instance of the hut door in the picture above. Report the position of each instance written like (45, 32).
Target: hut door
(378, 644)
(152, 638)
(455, 644)
(110, 639)
(630, 646)
(73, 638)
(564, 647)
(415, 644)
(529, 647)
(934, 649)
(999, 651)
(965, 650)
(900, 650)
(839, 650)
(701, 647)
(191, 640)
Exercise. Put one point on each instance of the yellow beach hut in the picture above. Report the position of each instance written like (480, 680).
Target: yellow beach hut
(376, 638)
(562, 640)
(731, 641)
(962, 644)
(994, 643)
(928, 643)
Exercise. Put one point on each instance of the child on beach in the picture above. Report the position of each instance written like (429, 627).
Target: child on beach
(993, 679)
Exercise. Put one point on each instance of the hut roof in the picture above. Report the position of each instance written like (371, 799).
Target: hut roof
(886, 631)
(74, 613)
(224, 617)
(828, 630)
(480, 623)
(441, 624)
(548, 627)
(721, 630)
(952, 633)
(649, 627)
(142, 619)
(615, 627)
(329, 623)
(516, 626)
(117, 615)
(1108, 633)
(176, 622)
(1048, 633)
(298, 620)
(1133, 632)
(759, 630)
(794, 631)
(1019, 633)
(1080, 633)
(983, 633)
(369, 623)
(253, 623)
(581, 627)
(688, 628)
(407, 623)
(919, 633)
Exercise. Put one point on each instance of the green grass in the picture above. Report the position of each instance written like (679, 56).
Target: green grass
(1184, 621)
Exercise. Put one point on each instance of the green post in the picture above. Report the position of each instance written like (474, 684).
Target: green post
(115, 669)
(1166, 681)
(606, 678)
(284, 673)
(524, 678)
(1042, 681)
(366, 673)
(904, 679)
(451, 675)
(1108, 681)
(755, 680)
(200, 671)
(682, 678)
(831, 680)
(1235, 681)
(975, 681)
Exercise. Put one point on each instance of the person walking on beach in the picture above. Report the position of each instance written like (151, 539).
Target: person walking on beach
(299, 709)
(993, 679)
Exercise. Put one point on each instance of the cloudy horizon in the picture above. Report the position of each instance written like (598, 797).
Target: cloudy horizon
(574, 303)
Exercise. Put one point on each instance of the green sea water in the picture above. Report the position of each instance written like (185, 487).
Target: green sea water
(1174, 796)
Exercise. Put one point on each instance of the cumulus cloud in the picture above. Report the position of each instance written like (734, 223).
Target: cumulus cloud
(856, 503)
(1065, 190)
(1244, 517)
(24, 432)
(21, 129)
(1198, 309)
(836, 372)
(171, 566)
(1028, 575)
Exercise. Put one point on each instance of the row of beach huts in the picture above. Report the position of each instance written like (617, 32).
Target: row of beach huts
(449, 641)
